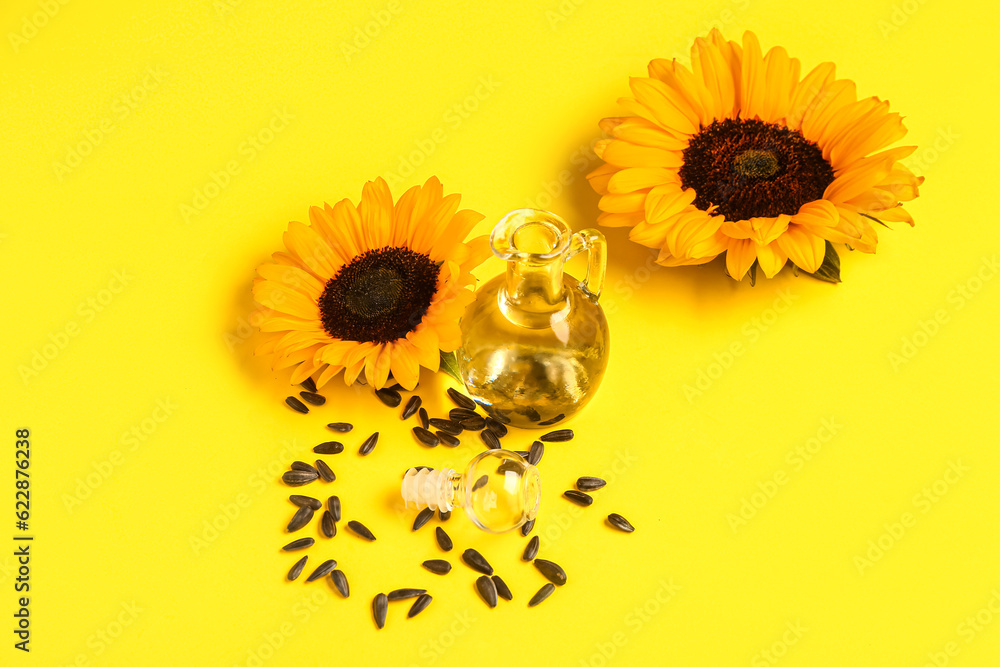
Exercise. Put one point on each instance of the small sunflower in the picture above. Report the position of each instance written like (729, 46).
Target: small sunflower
(378, 287)
(738, 155)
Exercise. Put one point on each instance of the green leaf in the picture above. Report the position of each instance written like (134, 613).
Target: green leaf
(753, 274)
(449, 365)
(829, 270)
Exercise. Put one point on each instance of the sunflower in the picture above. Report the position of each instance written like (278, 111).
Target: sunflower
(378, 287)
(739, 155)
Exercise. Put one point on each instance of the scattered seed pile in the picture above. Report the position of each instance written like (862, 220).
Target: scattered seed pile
(463, 418)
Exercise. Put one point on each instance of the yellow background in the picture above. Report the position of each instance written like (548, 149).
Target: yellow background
(164, 548)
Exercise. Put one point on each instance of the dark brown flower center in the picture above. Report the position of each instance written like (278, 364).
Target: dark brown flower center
(748, 168)
(379, 296)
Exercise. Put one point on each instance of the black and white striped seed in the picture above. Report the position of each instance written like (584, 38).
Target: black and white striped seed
(324, 471)
(410, 408)
(301, 543)
(620, 522)
(487, 590)
(306, 501)
(475, 560)
(297, 405)
(312, 398)
(423, 516)
(388, 396)
(461, 400)
(527, 526)
(304, 467)
(340, 427)
(490, 439)
(443, 540)
(331, 447)
(503, 590)
(424, 436)
(419, 605)
(555, 420)
(447, 439)
(590, 483)
(369, 444)
(340, 582)
(296, 570)
(550, 571)
(303, 516)
(560, 435)
(578, 497)
(327, 525)
(531, 550)
(437, 566)
(309, 385)
(446, 425)
(405, 593)
(333, 504)
(325, 568)
(380, 606)
(475, 423)
(536, 452)
(481, 482)
(361, 530)
(443, 515)
(543, 592)
(458, 414)
(425, 421)
(499, 416)
(498, 429)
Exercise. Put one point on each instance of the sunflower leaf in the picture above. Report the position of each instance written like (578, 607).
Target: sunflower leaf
(449, 364)
(829, 270)
(753, 274)
(873, 218)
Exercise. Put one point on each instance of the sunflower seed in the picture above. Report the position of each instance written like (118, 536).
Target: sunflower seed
(380, 606)
(331, 447)
(560, 435)
(543, 592)
(425, 421)
(499, 429)
(442, 539)
(461, 400)
(509, 465)
(309, 385)
(411, 407)
(443, 515)
(296, 570)
(305, 467)
(437, 566)
(481, 482)
(555, 420)
(340, 581)
(447, 439)
(535, 453)
(300, 519)
(458, 414)
(526, 528)
(405, 593)
(306, 501)
(324, 471)
(299, 477)
(325, 568)
(327, 524)
(368, 445)
(390, 397)
(300, 543)
(361, 530)
(333, 504)
(578, 497)
(425, 437)
(590, 483)
(296, 404)
(531, 550)
(340, 427)
(487, 590)
(550, 571)
(446, 425)
(490, 438)
(502, 590)
(475, 560)
(419, 605)
(312, 398)
(499, 416)
(475, 423)
(531, 413)
(620, 522)
(423, 516)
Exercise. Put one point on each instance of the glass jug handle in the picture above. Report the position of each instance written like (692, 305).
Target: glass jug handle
(593, 242)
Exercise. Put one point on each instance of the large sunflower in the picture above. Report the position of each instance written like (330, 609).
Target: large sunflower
(738, 155)
(378, 287)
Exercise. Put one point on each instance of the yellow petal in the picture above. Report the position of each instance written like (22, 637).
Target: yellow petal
(629, 203)
(739, 257)
(804, 249)
(808, 93)
(639, 178)
(771, 259)
(669, 109)
(753, 77)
